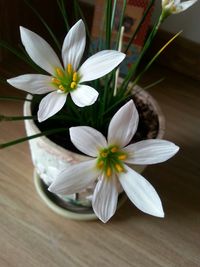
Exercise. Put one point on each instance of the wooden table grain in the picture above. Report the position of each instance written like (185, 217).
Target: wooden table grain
(32, 235)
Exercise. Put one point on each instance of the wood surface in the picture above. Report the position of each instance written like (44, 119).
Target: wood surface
(182, 55)
(33, 236)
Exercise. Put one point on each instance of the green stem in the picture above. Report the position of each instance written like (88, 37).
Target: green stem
(16, 118)
(153, 84)
(84, 20)
(14, 98)
(120, 23)
(139, 25)
(62, 8)
(152, 60)
(44, 23)
(15, 52)
(21, 140)
(76, 9)
(134, 66)
(113, 13)
(108, 23)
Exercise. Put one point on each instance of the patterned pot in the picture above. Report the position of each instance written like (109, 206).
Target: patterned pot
(49, 159)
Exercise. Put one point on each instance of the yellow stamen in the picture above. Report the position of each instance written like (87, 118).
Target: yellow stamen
(108, 172)
(75, 77)
(61, 87)
(55, 80)
(119, 168)
(73, 85)
(122, 157)
(69, 68)
(59, 72)
(114, 149)
(100, 164)
(104, 154)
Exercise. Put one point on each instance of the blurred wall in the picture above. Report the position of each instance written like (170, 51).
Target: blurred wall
(188, 21)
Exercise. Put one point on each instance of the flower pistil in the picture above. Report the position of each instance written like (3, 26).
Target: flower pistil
(110, 160)
(65, 81)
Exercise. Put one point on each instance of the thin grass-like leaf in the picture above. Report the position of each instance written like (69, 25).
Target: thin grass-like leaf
(153, 84)
(14, 51)
(62, 8)
(113, 13)
(120, 23)
(16, 118)
(134, 66)
(21, 140)
(44, 23)
(108, 23)
(13, 98)
(153, 59)
(151, 3)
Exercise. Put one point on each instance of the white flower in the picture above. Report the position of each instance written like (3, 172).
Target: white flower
(109, 159)
(64, 80)
(175, 6)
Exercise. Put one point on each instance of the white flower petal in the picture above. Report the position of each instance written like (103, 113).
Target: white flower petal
(84, 95)
(74, 45)
(184, 5)
(150, 151)
(32, 83)
(50, 105)
(104, 201)
(75, 179)
(100, 64)
(87, 140)
(123, 125)
(141, 192)
(176, 2)
(40, 51)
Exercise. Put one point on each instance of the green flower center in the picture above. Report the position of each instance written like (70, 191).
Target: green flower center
(110, 160)
(65, 81)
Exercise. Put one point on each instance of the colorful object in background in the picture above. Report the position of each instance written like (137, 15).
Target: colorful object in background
(133, 14)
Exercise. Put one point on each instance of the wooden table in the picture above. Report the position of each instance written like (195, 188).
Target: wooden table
(32, 235)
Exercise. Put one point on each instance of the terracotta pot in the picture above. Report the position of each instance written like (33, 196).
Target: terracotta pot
(49, 159)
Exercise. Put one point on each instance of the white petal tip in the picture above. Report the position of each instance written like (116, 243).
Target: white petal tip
(40, 119)
(104, 220)
(22, 29)
(176, 148)
(159, 214)
(9, 81)
(51, 189)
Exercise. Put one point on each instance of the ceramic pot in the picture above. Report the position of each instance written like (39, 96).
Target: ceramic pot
(49, 159)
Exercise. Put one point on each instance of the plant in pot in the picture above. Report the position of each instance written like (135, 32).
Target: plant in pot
(102, 130)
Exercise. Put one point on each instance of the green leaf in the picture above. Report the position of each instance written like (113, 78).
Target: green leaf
(21, 140)
(44, 23)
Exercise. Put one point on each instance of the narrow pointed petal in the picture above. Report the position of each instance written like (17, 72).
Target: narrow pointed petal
(184, 5)
(104, 201)
(32, 83)
(74, 45)
(177, 2)
(75, 179)
(150, 151)
(50, 105)
(87, 140)
(100, 64)
(141, 192)
(123, 125)
(84, 95)
(40, 51)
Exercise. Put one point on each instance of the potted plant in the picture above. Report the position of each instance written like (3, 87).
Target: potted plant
(97, 147)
